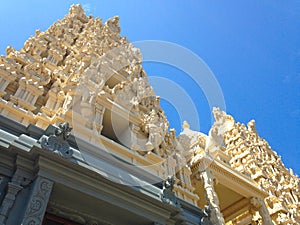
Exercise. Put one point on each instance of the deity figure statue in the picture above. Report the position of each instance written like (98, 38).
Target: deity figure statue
(155, 130)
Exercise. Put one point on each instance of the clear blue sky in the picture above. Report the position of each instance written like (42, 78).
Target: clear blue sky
(252, 47)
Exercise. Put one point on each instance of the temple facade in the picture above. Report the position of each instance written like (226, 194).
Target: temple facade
(84, 140)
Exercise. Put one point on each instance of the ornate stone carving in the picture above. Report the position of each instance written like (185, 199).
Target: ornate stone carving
(55, 98)
(167, 194)
(38, 202)
(58, 142)
(9, 199)
(222, 124)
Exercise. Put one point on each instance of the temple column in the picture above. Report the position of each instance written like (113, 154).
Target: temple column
(36, 206)
(212, 200)
(260, 206)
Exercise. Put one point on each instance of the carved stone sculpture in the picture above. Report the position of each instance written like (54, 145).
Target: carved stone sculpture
(58, 142)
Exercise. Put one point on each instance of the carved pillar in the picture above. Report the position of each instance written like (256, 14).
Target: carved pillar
(260, 206)
(211, 195)
(19, 179)
(38, 201)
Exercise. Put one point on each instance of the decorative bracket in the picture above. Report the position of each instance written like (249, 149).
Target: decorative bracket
(58, 142)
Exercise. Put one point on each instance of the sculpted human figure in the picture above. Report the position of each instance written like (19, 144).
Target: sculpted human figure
(155, 131)
(170, 139)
